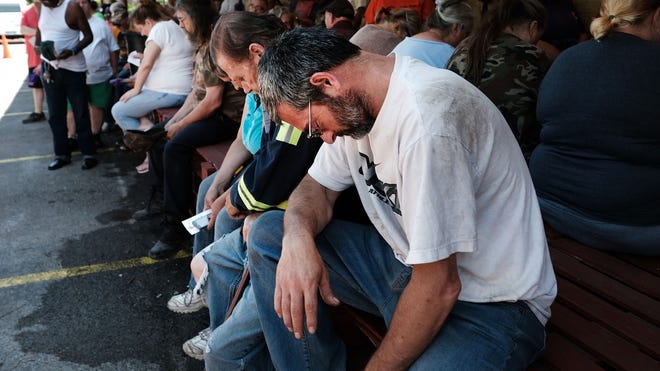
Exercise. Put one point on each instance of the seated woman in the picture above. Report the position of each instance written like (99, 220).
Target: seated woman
(500, 58)
(597, 169)
(210, 114)
(164, 76)
(448, 25)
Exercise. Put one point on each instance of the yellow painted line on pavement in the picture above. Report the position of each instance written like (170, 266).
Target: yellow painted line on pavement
(38, 157)
(84, 270)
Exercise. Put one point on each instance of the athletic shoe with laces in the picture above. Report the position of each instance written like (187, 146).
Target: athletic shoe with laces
(195, 347)
(187, 302)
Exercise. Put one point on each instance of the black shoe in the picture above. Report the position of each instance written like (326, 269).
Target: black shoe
(89, 163)
(58, 163)
(73, 144)
(97, 141)
(154, 207)
(34, 117)
(173, 239)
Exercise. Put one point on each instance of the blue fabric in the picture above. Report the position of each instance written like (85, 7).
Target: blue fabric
(642, 240)
(223, 224)
(600, 138)
(237, 343)
(433, 53)
(365, 274)
(252, 123)
(127, 114)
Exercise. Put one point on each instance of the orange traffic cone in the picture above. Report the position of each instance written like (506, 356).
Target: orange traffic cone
(5, 47)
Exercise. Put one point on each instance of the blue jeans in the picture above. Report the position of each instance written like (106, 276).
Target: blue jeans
(72, 86)
(238, 342)
(631, 239)
(365, 274)
(127, 114)
(223, 224)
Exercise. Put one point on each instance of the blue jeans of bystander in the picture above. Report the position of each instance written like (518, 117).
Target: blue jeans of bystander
(127, 114)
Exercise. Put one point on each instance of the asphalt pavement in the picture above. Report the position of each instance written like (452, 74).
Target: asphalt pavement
(78, 292)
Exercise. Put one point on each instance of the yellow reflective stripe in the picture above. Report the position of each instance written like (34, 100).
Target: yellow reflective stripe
(251, 203)
(288, 134)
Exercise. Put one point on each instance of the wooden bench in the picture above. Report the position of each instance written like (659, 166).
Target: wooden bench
(606, 315)
(607, 312)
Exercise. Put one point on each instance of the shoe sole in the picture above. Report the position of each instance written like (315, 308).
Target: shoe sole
(186, 310)
(191, 354)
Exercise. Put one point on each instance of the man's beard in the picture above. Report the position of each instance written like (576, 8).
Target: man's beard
(352, 113)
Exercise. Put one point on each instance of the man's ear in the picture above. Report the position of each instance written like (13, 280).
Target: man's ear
(256, 50)
(327, 82)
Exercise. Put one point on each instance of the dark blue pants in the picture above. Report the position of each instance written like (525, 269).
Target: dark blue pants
(63, 85)
(171, 161)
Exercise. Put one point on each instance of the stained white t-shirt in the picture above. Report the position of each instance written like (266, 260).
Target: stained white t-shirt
(97, 54)
(439, 174)
(172, 71)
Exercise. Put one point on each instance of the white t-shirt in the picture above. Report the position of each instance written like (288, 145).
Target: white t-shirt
(440, 173)
(97, 54)
(172, 71)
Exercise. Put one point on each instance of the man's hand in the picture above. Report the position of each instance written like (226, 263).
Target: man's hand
(129, 94)
(301, 276)
(233, 211)
(37, 69)
(216, 206)
(64, 54)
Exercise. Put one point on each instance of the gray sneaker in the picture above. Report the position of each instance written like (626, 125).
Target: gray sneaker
(195, 347)
(188, 302)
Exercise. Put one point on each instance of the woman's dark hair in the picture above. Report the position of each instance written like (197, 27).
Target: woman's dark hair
(149, 9)
(235, 31)
(202, 15)
(507, 13)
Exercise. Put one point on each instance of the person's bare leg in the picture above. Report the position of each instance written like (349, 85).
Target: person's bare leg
(38, 99)
(96, 117)
(70, 124)
(145, 123)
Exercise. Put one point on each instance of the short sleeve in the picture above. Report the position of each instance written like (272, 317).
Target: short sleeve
(330, 167)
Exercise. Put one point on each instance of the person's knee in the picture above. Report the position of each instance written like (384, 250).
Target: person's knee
(265, 236)
(197, 266)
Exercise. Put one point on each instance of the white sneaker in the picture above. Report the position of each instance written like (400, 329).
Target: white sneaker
(188, 302)
(195, 347)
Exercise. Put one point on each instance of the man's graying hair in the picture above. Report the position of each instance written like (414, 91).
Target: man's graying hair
(286, 66)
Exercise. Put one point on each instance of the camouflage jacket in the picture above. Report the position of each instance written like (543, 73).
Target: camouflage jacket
(511, 78)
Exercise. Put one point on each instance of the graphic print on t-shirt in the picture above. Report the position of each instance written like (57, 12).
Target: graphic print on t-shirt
(385, 192)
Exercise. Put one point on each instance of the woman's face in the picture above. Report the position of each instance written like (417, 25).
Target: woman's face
(243, 74)
(185, 22)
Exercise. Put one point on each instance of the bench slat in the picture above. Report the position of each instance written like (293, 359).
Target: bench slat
(561, 354)
(609, 264)
(606, 287)
(624, 324)
(597, 340)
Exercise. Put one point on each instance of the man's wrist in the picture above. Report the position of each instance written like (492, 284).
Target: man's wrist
(74, 50)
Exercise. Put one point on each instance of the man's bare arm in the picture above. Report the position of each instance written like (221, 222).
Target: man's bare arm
(422, 309)
(301, 273)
